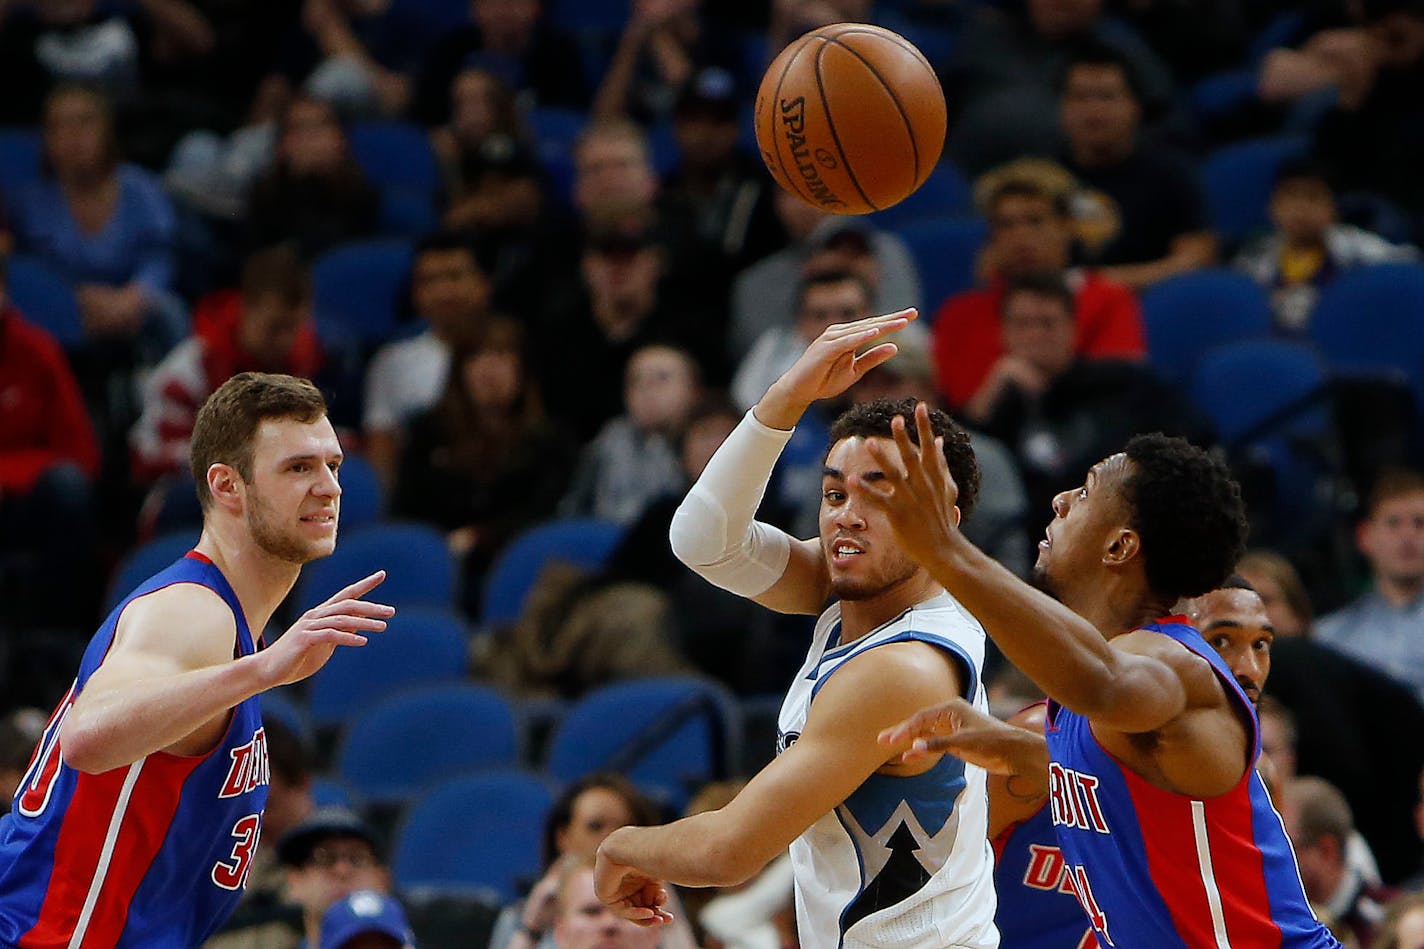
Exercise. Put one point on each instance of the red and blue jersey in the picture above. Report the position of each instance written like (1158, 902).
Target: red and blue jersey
(1154, 868)
(154, 854)
(1038, 907)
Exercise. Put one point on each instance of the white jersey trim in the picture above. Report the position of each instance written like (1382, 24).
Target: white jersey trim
(111, 838)
(1208, 874)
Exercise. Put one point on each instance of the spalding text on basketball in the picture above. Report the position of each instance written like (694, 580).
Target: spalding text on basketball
(793, 120)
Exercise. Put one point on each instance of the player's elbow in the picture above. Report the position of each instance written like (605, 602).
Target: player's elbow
(697, 534)
(84, 748)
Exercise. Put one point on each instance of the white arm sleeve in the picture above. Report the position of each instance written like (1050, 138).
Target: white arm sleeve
(713, 531)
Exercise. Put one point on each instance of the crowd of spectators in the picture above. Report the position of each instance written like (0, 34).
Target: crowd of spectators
(592, 276)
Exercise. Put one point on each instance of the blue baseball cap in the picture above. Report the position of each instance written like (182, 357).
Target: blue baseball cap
(364, 911)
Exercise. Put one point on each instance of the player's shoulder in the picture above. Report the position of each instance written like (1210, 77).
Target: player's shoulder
(198, 610)
(906, 672)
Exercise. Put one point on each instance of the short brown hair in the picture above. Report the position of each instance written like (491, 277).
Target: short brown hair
(1393, 483)
(276, 271)
(228, 420)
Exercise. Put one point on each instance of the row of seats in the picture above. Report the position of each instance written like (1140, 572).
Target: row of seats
(450, 756)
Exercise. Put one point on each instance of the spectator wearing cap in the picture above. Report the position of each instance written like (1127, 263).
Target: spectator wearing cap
(727, 189)
(764, 294)
(329, 856)
(1030, 229)
(366, 919)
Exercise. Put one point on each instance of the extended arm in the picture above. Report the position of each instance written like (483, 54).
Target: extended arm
(835, 753)
(169, 679)
(1058, 649)
(714, 531)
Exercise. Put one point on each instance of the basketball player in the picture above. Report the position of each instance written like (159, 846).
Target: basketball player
(137, 820)
(1164, 825)
(884, 853)
(1037, 905)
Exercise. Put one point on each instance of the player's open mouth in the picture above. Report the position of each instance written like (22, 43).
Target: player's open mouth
(1047, 540)
(319, 519)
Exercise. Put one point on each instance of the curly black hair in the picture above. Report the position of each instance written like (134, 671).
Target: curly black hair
(1188, 512)
(872, 420)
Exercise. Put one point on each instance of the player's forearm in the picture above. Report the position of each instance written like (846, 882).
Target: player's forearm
(1058, 649)
(695, 851)
(117, 726)
(779, 409)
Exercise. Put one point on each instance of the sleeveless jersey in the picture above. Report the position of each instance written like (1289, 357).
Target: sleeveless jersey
(1158, 869)
(152, 855)
(1037, 905)
(903, 861)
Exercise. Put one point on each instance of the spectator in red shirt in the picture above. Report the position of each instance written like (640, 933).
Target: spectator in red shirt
(1030, 229)
(49, 459)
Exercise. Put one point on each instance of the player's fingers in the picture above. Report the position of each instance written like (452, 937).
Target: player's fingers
(333, 637)
(878, 322)
(923, 722)
(923, 429)
(882, 489)
(359, 588)
(908, 455)
(873, 357)
(351, 607)
(351, 623)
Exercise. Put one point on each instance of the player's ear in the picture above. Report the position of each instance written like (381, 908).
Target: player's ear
(1123, 545)
(958, 515)
(223, 481)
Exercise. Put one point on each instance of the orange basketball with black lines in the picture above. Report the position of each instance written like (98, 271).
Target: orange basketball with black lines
(850, 118)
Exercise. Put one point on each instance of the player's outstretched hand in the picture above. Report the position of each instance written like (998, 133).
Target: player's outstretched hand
(630, 892)
(917, 492)
(833, 363)
(340, 621)
(958, 728)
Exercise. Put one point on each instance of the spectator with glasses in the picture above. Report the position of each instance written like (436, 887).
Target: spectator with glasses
(330, 855)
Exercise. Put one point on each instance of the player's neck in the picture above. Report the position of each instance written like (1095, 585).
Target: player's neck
(260, 580)
(859, 617)
(1117, 605)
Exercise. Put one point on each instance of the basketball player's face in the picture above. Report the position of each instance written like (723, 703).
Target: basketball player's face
(293, 499)
(1235, 623)
(858, 543)
(1070, 556)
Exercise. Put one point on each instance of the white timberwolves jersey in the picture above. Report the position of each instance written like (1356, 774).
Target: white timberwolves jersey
(903, 861)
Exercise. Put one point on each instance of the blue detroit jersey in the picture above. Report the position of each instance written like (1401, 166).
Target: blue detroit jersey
(151, 855)
(1038, 907)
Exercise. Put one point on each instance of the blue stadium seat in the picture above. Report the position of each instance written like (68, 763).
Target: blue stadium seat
(1238, 180)
(1370, 321)
(672, 735)
(326, 792)
(419, 569)
(357, 289)
(944, 194)
(475, 833)
(1188, 315)
(395, 155)
(604, 17)
(45, 298)
(146, 560)
(279, 705)
(554, 131)
(20, 155)
(411, 741)
(578, 541)
(363, 498)
(419, 647)
(944, 251)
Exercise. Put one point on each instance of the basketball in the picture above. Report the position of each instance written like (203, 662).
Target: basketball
(850, 118)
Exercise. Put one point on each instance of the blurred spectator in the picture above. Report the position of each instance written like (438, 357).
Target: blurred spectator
(1055, 410)
(1385, 627)
(764, 294)
(366, 919)
(329, 856)
(49, 459)
(1403, 926)
(1030, 229)
(583, 921)
(1278, 744)
(1376, 139)
(626, 303)
(1280, 588)
(1141, 214)
(728, 190)
(663, 45)
(314, 194)
(513, 39)
(48, 43)
(634, 459)
(356, 55)
(587, 811)
(20, 733)
(449, 290)
(823, 298)
(491, 177)
(264, 326)
(484, 462)
(1309, 246)
(1000, 83)
(107, 226)
(263, 920)
(1318, 820)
